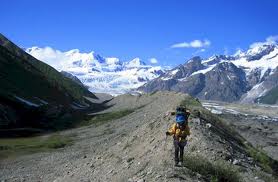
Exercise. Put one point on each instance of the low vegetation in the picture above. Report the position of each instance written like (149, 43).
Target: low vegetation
(268, 164)
(266, 177)
(106, 117)
(191, 102)
(13, 147)
(212, 171)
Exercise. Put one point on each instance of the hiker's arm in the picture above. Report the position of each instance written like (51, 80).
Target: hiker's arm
(188, 113)
(170, 113)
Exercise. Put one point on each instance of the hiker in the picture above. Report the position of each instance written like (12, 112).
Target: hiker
(180, 130)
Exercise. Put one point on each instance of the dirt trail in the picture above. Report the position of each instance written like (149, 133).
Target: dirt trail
(133, 148)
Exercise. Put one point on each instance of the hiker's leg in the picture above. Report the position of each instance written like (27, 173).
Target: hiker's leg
(181, 146)
(177, 148)
(181, 153)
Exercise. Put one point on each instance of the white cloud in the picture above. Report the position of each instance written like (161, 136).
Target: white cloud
(58, 59)
(199, 51)
(48, 55)
(192, 44)
(153, 60)
(269, 40)
(272, 38)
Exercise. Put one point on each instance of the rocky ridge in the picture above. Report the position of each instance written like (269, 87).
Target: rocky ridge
(134, 148)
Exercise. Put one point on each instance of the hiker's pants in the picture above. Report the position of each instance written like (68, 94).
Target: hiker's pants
(179, 150)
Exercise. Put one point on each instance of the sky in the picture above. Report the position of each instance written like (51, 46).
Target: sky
(164, 32)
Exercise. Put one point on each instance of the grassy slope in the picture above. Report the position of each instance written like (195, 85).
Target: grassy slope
(40, 69)
(105, 117)
(13, 147)
(20, 146)
(22, 79)
(23, 76)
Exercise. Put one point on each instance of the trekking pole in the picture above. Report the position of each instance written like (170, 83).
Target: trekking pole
(164, 148)
(166, 117)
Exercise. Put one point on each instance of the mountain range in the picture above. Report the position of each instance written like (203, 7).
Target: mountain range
(101, 75)
(247, 77)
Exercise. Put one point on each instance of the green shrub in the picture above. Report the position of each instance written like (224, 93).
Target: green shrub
(213, 171)
(261, 157)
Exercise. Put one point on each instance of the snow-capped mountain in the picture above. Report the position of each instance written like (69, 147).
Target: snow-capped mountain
(101, 75)
(245, 76)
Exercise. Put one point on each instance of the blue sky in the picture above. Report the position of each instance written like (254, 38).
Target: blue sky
(141, 28)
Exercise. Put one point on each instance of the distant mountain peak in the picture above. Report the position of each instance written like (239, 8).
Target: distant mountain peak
(35, 48)
(73, 51)
(136, 62)
(196, 58)
(258, 50)
(239, 53)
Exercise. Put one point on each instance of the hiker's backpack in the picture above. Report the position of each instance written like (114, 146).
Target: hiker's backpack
(181, 116)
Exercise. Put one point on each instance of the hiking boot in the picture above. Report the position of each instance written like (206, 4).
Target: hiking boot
(177, 163)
